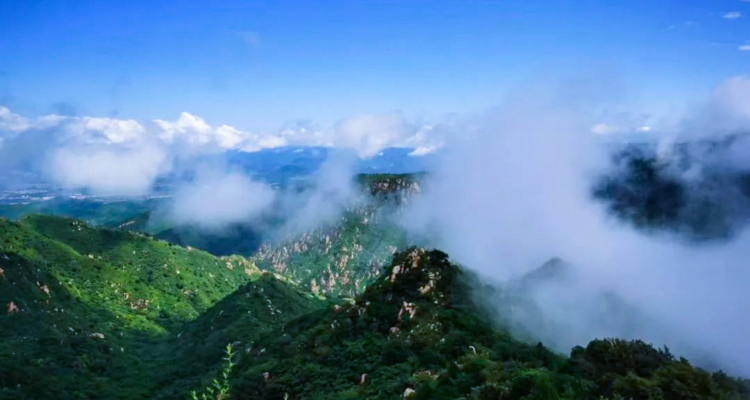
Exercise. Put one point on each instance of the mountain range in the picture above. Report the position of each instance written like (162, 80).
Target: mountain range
(345, 311)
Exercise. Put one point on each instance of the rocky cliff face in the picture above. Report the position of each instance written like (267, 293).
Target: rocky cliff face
(400, 189)
(340, 258)
(343, 257)
(397, 189)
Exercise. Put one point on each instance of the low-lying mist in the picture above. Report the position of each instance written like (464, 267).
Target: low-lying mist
(215, 200)
(520, 188)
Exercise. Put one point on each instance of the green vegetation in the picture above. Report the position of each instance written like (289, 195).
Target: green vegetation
(340, 259)
(417, 333)
(96, 212)
(643, 193)
(654, 194)
(219, 388)
(96, 313)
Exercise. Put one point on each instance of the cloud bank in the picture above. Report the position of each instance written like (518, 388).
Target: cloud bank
(516, 191)
(125, 157)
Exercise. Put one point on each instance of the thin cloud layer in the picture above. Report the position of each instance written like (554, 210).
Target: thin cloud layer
(733, 15)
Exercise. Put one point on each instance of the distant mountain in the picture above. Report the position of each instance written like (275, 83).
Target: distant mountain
(93, 210)
(693, 191)
(285, 164)
(23, 192)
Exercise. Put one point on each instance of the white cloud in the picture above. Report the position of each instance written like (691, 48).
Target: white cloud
(725, 113)
(260, 141)
(744, 47)
(733, 15)
(104, 130)
(12, 122)
(368, 134)
(604, 129)
(196, 132)
(629, 127)
(733, 98)
(104, 154)
(192, 129)
(108, 171)
(84, 129)
(520, 191)
(332, 191)
(423, 151)
(303, 132)
(215, 200)
(228, 137)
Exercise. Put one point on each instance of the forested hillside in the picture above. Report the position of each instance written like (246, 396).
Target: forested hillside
(338, 257)
(93, 313)
(98, 313)
(344, 311)
(417, 333)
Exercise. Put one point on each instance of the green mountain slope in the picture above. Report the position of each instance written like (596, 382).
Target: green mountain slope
(93, 313)
(258, 308)
(96, 313)
(128, 271)
(416, 333)
(343, 257)
(338, 258)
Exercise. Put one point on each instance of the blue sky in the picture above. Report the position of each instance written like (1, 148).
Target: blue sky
(255, 64)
